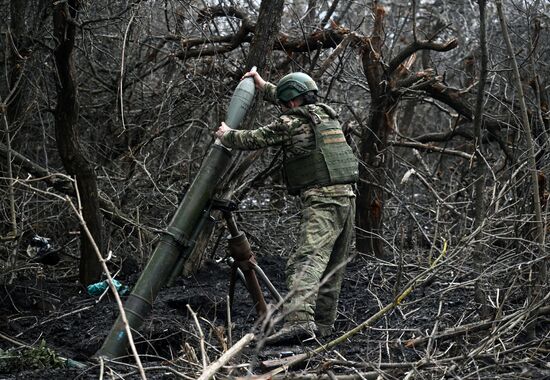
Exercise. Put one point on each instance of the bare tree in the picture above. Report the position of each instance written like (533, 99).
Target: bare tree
(72, 155)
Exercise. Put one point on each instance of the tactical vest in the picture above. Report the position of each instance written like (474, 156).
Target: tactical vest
(331, 162)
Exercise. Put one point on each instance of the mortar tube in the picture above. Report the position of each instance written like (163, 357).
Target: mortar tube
(178, 268)
(175, 242)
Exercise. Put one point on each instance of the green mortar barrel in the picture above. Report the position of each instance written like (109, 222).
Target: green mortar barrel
(176, 239)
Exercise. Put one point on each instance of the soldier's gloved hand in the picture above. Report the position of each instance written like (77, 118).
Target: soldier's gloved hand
(258, 80)
(221, 130)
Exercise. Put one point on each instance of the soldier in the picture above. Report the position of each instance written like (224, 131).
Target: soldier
(320, 167)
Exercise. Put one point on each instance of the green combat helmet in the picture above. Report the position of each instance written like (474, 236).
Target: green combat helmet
(293, 85)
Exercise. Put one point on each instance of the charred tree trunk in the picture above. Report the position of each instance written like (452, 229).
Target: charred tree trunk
(66, 118)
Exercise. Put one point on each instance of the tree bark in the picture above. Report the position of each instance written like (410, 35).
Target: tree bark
(374, 141)
(267, 29)
(72, 156)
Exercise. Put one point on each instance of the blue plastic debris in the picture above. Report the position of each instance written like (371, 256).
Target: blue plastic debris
(99, 287)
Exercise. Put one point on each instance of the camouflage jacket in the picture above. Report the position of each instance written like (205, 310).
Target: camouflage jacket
(294, 133)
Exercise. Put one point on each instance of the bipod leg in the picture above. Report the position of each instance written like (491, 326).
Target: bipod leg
(240, 251)
(232, 281)
(268, 283)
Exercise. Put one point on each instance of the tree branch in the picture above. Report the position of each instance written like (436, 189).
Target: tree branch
(416, 46)
(449, 96)
(431, 148)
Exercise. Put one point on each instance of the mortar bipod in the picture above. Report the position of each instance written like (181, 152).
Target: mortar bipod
(243, 262)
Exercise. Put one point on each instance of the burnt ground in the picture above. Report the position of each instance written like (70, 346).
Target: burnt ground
(46, 305)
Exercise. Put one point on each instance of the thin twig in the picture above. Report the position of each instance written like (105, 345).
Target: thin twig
(229, 327)
(234, 350)
(201, 337)
(122, 63)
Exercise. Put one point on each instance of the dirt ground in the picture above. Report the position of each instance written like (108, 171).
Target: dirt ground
(45, 306)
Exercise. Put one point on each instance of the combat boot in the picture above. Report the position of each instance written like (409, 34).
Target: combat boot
(291, 333)
(324, 330)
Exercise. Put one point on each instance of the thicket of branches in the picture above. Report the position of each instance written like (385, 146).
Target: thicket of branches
(123, 97)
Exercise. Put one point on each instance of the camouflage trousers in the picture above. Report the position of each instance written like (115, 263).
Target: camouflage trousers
(315, 270)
